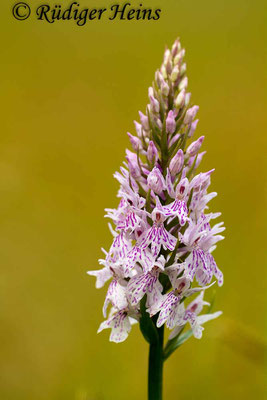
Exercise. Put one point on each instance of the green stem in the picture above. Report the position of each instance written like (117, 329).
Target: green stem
(155, 370)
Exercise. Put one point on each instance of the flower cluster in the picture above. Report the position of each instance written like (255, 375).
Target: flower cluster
(163, 237)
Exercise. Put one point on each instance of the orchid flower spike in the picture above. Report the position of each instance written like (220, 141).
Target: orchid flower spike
(163, 239)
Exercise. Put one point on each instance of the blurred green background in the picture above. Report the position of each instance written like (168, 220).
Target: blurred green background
(68, 96)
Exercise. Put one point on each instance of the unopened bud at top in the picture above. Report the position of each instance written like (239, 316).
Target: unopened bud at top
(167, 62)
(135, 141)
(138, 128)
(163, 72)
(164, 88)
(193, 128)
(170, 122)
(195, 160)
(178, 58)
(187, 99)
(159, 123)
(177, 162)
(194, 147)
(183, 69)
(199, 158)
(144, 121)
(167, 56)
(150, 91)
(169, 66)
(158, 78)
(190, 114)
(182, 189)
(174, 139)
(155, 181)
(180, 99)
(183, 174)
(154, 102)
(152, 152)
(175, 73)
(133, 164)
(176, 47)
(183, 84)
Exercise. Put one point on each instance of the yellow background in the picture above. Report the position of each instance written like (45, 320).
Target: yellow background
(68, 96)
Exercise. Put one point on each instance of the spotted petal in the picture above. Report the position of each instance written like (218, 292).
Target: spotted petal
(120, 326)
(116, 295)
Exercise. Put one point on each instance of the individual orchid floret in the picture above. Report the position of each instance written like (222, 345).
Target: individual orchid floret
(157, 235)
(200, 197)
(127, 217)
(102, 276)
(198, 328)
(170, 310)
(182, 188)
(116, 295)
(190, 314)
(120, 247)
(177, 163)
(178, 207)
(128, 221)
(152, 153)
(156, 181)
(120, 324)
(139, 255)
(194, 147)
(200, 262)
(142, 284)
